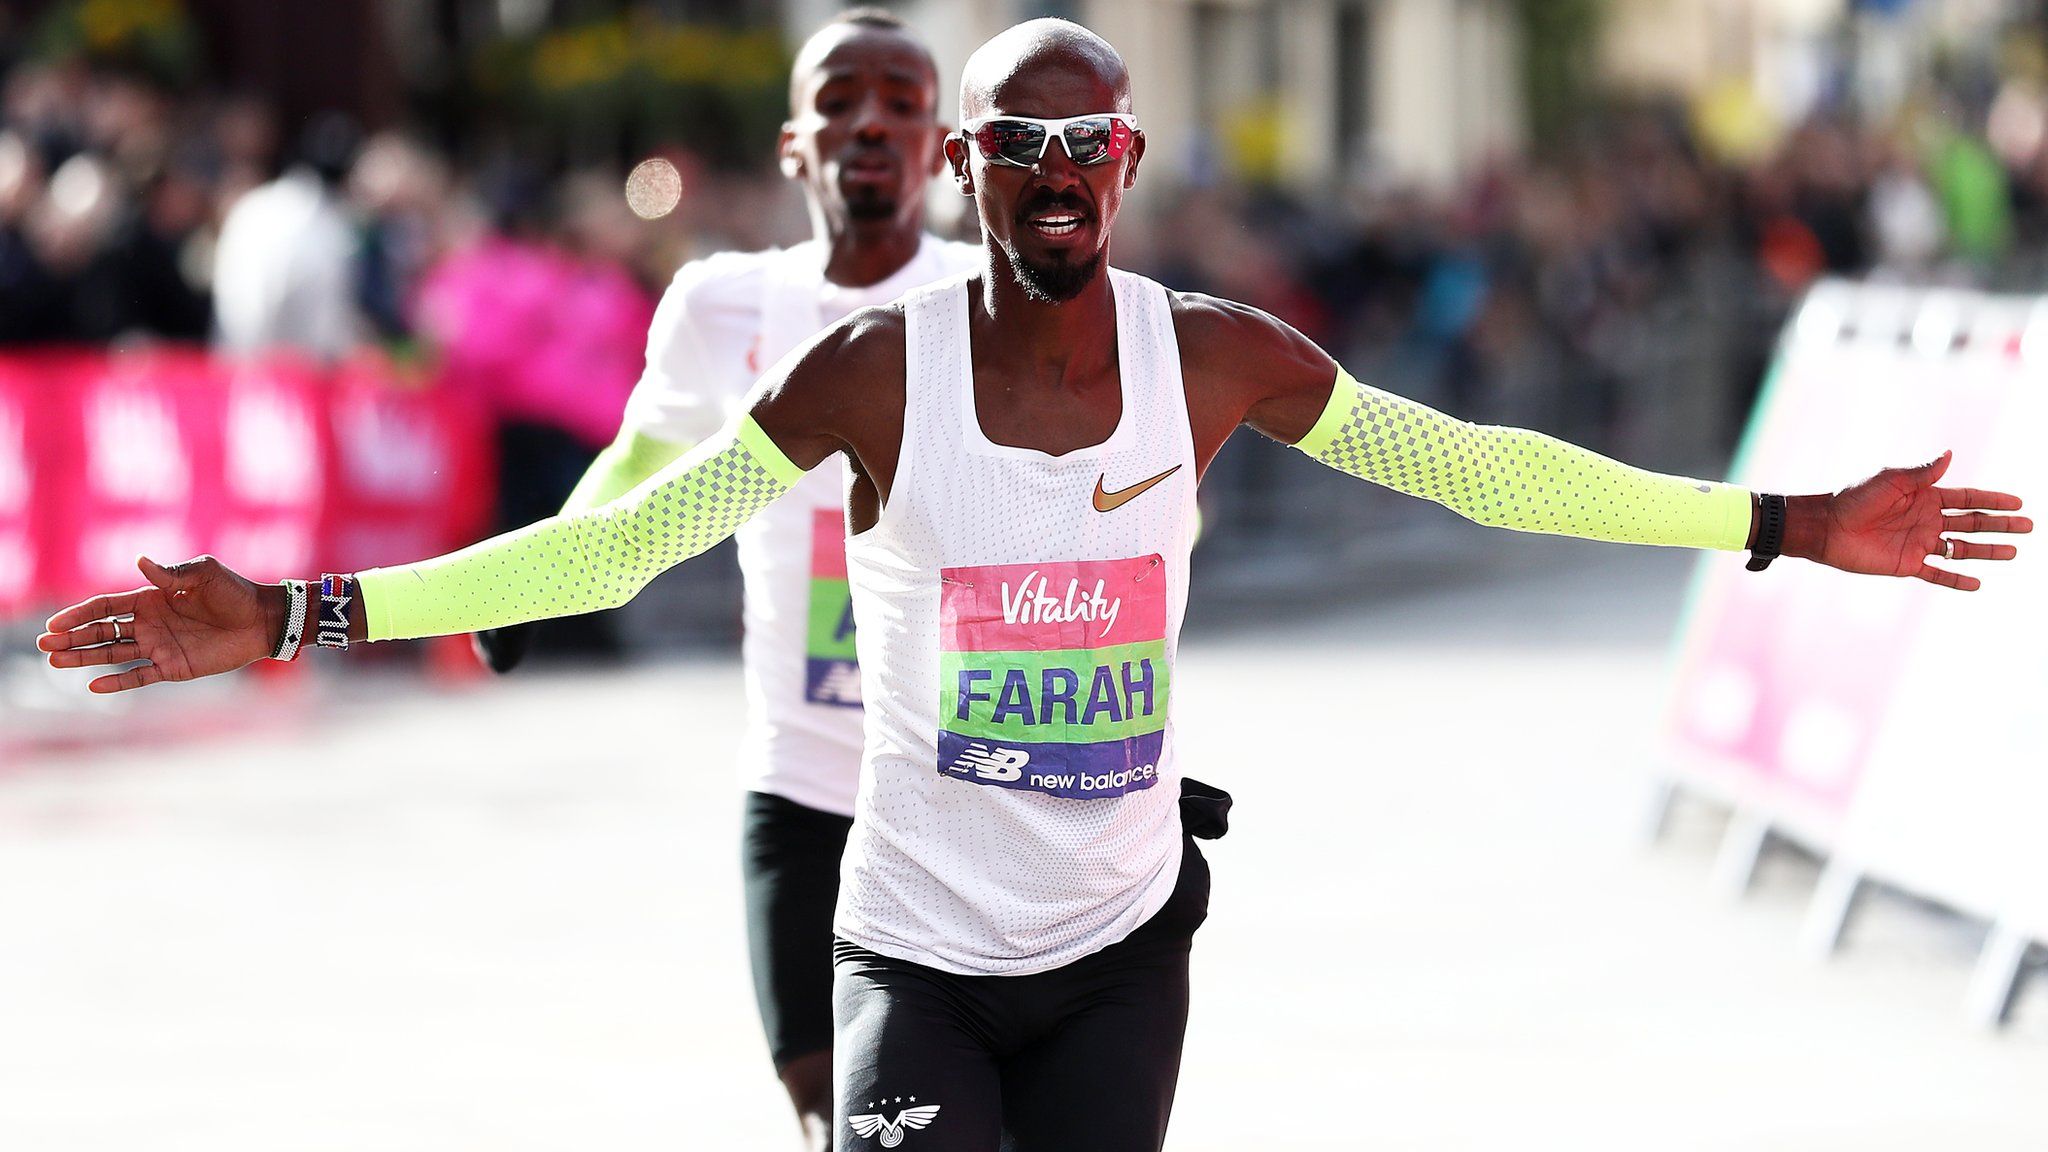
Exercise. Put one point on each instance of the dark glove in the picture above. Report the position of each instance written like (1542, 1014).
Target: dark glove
(501, 649)
(1204, 809)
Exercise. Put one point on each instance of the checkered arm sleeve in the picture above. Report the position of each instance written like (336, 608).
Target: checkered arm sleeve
(591, 560)
(1515, 478)
(621, 467)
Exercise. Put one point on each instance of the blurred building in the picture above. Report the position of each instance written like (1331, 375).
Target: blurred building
(1302, 93)
(1786, 59)
(302, 56)
(1307, 93)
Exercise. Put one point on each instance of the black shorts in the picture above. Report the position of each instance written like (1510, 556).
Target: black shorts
(1083, 1058)
(789, 861)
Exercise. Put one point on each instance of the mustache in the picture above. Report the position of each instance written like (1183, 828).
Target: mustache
(869, 152)
(1061, 200)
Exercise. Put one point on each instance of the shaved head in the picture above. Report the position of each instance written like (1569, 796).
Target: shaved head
(852, 24)
(1047, 219)
(864, 139)
(1060, 57)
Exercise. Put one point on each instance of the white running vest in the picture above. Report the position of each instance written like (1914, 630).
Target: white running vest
(723, 322)
(1019, 807)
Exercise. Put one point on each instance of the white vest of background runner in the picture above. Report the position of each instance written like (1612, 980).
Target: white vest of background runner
(723, 321)
(1019, 807)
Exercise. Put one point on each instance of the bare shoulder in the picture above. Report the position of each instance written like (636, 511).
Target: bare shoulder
(1244, 365)
(1215, 332)
(841, 390)
(1200, 319)
(876, 330)
(847, 362)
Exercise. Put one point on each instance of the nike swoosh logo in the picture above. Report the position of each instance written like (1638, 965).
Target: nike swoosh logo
(1106, 501)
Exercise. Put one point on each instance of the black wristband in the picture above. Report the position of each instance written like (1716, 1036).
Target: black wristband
(337, 594)
(1770, 532)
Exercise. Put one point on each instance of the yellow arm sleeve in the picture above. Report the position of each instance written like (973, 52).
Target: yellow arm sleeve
(621, 467)
(1515, 478)
(599, 558)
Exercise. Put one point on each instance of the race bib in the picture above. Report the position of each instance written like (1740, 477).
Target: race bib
(831, 670)
(1053, 677)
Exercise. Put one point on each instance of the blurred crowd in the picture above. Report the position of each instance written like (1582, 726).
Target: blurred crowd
(129, 215)
(1630, 291)
(1574, 294)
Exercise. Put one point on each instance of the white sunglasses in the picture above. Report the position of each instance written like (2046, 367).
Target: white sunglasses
(1021, 141)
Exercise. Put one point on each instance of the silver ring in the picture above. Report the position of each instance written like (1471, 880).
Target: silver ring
(1948, 548)
(117, 629)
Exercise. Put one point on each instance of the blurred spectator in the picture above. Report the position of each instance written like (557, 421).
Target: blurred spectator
(1824, 163)
(245, 139)
(583, 370)
(137, 281)
(284, 274)
(542, 319)
(1971, 185)
(546, 323)
(29, 305)
(400, 192)
(1566, 291)
(68, 230)
(98, 203)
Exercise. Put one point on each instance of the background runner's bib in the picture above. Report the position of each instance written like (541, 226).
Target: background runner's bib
(722, 323)
(831, 666)
(1019, 808)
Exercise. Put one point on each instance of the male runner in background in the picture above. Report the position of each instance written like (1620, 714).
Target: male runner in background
(863, 140)
(1018, 903)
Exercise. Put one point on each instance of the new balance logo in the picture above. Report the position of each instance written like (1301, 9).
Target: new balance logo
(841, 685)
(991, 763)
(871, 1123)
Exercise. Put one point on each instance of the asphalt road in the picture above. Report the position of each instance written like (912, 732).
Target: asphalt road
(505, 916)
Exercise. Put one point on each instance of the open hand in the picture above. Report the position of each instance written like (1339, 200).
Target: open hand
(199, 618)
(1892, 523)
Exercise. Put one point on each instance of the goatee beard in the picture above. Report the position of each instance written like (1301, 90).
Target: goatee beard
(870, 206)
(1052, 282)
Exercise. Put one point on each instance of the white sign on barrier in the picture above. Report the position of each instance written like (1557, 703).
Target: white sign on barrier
(1785, 676)
(1954, 801)
(1902, 727)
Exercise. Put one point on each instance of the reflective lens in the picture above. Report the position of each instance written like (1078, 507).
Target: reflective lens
(1022, 142)
(1088, 141)
(1018, 142)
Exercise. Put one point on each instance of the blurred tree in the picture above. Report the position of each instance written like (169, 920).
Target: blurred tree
(626, 83)
(1560, 43)
(156, 37)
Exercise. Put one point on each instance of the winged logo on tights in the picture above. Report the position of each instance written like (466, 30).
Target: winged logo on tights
(868, 1124)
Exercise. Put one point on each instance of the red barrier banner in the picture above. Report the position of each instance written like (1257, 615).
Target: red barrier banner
(274, 441)
(23, 484)
(143, 454)
(410, 473)
(275, 466)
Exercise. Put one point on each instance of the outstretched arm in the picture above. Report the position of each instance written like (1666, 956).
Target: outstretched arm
(674, 405)
(201, 618)
(586, 561)
(1515, 478)
(624, 465)
(670, 410)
